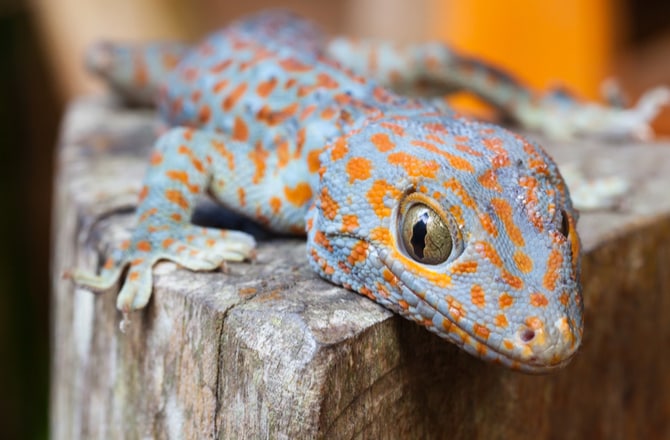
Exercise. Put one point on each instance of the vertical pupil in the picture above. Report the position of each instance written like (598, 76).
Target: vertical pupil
(419, 231)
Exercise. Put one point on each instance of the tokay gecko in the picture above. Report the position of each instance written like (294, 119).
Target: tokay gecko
(461, 226)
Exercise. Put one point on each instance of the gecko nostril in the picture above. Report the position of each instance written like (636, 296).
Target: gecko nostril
(527, 335)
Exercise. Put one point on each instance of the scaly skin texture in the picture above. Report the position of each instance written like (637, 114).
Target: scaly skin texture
(460, 226)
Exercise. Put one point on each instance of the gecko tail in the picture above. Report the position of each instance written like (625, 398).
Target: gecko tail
(134, 71)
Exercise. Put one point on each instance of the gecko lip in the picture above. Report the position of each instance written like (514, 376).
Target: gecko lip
(540, 359)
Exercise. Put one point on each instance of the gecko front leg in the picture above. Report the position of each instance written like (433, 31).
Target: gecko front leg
(182, 165)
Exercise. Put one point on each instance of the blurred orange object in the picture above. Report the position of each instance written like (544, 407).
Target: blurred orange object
(543, 43)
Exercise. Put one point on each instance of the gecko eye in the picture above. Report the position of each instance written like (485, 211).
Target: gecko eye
(425, 235)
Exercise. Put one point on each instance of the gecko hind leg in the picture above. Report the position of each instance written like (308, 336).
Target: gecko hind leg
(435, 69)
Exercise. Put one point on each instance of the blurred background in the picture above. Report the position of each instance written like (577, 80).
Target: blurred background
(577, 43)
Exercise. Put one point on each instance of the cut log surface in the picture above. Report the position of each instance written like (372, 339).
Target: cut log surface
(269, 350)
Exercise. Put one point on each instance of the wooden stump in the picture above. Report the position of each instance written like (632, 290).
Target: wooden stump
(269, 350)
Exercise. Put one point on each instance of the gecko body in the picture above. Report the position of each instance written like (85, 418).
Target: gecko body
(463, 227)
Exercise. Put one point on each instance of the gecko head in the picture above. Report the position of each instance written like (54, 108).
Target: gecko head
(464, 227)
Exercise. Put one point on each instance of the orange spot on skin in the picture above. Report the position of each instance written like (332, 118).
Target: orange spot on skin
(169, 61)
(258, 157)
(300, 142)
(349, 222)
(487, 224)
(523, 261)
(403, 304)
(242, 196)
(434, 138)
(536, 162)
(300, 195)
(564, 299)
(326, 81)
(509, 345)
(176, 217)
(148, 213)
(234, 96)
(143, 193)
(505, 301)
(358, 168)
(382, 142)
(266, 87)
(283, 156)
(221, 66)
(293, 65)
(313, 162)
(554, 263)
(389, 277)
(455, 308)
(486, 250)
(328, 113)
(240, 130)
(359, 253)
(307, 112)
(182, 177)
(220, 85)
(455, 161)
(501, 158)
(456, 212)
(144, 246)
(321, 239)
(133, 276)
(156, 158)
(167, 243)
(511, 280)
(380, 235)
(395, 128)
(477, 296)
(434, 126)
(534, 322)
(464, 267)
(413, 166)
(481, 330)
(204, 114)
(276, 117)
(501, 321)
(367, 292)
(504, 211)
(190, 74)
(378, 191)
(340, 149)
(220, 148)
(538, 300)
(109, 263)
(457, 188)
(176, 197)
(467, 149)
(275, 204)
(197, 164)
(489, 179)
(329, 206)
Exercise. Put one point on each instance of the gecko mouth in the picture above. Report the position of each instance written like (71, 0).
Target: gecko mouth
(523, 355)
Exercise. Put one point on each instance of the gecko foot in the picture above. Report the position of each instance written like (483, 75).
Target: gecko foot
(561, 116)
(193, 247)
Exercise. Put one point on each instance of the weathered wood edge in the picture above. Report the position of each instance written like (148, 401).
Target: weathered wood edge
(271, 350)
